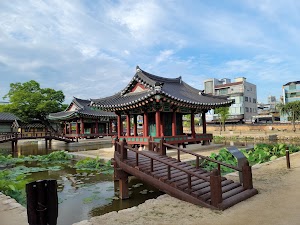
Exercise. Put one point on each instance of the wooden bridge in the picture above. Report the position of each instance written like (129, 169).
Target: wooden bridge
(14, 137)
(180, 179)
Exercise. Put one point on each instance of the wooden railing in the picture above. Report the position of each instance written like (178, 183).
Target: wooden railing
(214, 177)
(16, 136)
(246, 168)
(202, 157)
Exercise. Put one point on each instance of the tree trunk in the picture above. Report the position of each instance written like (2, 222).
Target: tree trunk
(293, 121)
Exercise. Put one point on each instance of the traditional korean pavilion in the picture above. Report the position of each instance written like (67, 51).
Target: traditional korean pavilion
(161, 102)
(82, 121)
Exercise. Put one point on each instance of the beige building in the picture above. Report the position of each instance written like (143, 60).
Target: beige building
(243, 93)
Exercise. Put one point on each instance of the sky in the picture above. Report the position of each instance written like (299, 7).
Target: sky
(90, 48)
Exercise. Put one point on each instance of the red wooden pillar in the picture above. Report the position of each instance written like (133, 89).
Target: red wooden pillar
(82, 126)
(145, 125)
(174, 123)
(157, 123)
(162, 124)
(120, 126)
(128, 124)
(70, 127)
(65, 128)
(77, 128)
(134, 125)
(97, 127)
(110, 126)
(193, 124)
(203, 123)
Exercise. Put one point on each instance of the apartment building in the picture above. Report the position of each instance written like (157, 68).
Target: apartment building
(243, 93)
(290, 93)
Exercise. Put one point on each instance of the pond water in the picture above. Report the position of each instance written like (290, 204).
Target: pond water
(84, 194)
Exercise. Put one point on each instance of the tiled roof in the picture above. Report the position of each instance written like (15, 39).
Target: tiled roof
(173, 88)
(32, 125)
(83, 110)
(5, 116)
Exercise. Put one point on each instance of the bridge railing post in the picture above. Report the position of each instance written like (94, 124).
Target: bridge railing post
(123, 149)
(247, 176)
(215, 188)
(163, 148)
(150, 144)
(116, 144)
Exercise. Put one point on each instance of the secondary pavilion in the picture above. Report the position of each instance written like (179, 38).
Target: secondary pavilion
(80, 120)
(161, 102)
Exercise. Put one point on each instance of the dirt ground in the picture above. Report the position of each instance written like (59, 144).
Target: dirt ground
(277, 203)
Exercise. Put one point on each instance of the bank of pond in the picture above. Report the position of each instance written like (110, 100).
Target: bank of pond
(86, 187)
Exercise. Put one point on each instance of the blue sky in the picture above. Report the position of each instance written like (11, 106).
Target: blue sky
(89, 49)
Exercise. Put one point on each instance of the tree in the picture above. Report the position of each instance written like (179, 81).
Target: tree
(223, 113)
(292, 110)
(29, 101)
(187, 121)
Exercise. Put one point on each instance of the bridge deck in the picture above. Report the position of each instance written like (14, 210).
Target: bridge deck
(176, 182)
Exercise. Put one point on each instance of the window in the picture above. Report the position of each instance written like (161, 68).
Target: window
(224, 91)
(254, 100)
(292, 86)
(247, 109)
(246, 99)
(249, 99)
(251, 110)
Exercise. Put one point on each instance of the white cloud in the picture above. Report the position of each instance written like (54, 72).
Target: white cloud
(139, 17)
(92, 48)
(164, 55)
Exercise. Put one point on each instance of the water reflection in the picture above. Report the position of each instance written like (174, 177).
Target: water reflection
(38, 148)
(83, 195)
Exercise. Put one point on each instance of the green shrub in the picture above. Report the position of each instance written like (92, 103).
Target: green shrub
(260, 154)
(94, 164)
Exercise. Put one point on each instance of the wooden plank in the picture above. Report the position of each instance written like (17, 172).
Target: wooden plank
(184, 167)
(181, 182)
(238, 198)
(232, 192)
(226, 186)
(156, 166)
(178, 178)
(205, 190)
(182, 185)
(176, 173)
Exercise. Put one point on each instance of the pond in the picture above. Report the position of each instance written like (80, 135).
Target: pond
(84, 194)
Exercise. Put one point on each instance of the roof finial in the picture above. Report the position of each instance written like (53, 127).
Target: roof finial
(138, 69)
(157, 86)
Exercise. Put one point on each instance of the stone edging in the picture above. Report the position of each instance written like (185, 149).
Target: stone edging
(10, 204)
